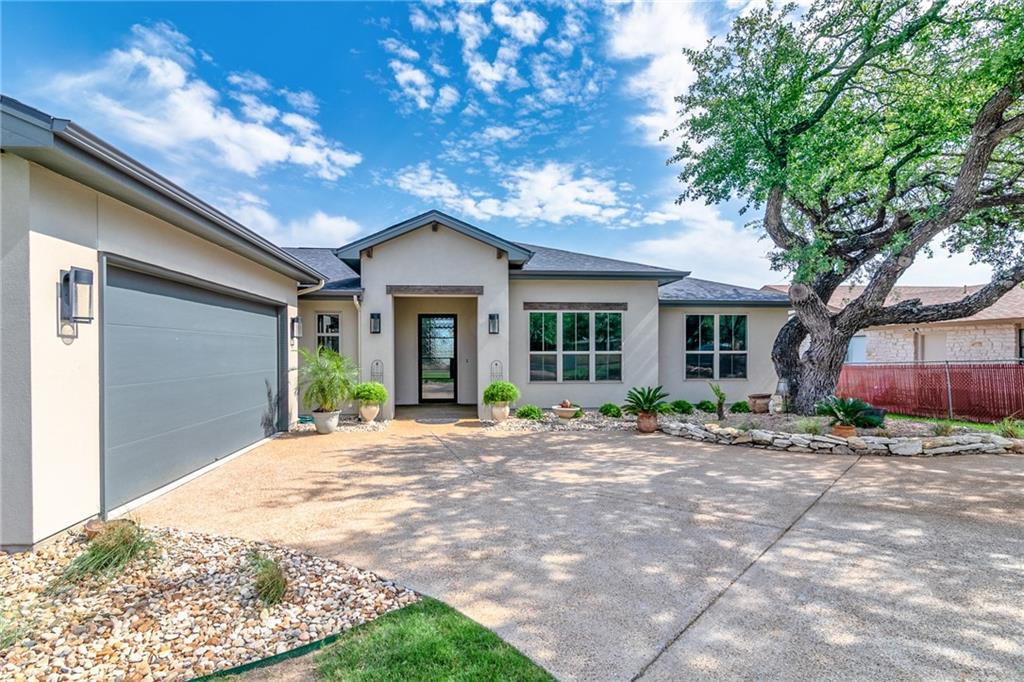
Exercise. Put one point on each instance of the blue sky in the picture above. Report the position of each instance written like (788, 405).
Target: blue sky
(316, 123)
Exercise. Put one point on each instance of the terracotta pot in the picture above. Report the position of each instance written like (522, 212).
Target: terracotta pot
(369, 411)
(844, 431)
(326, 422)
(499, 412)
(759, 402)
(647, 422)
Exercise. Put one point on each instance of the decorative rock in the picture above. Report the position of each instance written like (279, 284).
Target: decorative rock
(910, 446)
(761, 437)
(857, 443)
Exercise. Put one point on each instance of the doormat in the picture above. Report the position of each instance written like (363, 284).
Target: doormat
(437, 420)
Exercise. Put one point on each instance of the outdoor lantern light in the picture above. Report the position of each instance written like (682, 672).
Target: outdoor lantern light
(76, 295)
(296, 327)
(492, 323)
(375, 323)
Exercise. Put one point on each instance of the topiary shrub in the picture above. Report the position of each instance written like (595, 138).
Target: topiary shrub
(500, 392)
(610, 410)
(740, 407)
(370, 392)
(530, 412)
(682, 407)
(706, 406)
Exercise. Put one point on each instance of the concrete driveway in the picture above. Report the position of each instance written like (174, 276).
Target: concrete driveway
(615, 556)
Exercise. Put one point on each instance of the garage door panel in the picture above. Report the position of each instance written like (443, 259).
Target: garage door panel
(186, 378)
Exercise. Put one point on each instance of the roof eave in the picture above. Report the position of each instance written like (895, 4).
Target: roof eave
(720, 303)
(661, 277)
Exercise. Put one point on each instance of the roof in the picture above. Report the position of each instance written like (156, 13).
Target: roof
(72, 151)
(558, 263)
(1009, 307)
(693, 291)
(341, 280)
(350, 252)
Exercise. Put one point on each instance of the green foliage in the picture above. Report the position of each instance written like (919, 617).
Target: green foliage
(423, 642)
(808, 425)
(107, 555)
(848, 412)
(326, 378)
(706, 406)
(501, 392)
(610, 410)
(740, 407)
(11, 632)
(370, 392)
(1010, 428)
(942, 428)
(720, 399)
(681, 407)
(268, 578)
(530, 412)
(644, 400)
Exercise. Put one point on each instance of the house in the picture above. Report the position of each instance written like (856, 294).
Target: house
(995, 334)
(148, 337)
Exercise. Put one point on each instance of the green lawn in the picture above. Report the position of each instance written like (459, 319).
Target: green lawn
(977, 426)
(424, 641)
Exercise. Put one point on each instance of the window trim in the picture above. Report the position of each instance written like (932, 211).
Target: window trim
(592, 351)
(316, 328)
(716, 352)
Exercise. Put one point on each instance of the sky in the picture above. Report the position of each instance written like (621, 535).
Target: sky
(318, 123)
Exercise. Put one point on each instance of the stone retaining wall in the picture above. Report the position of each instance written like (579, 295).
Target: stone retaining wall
(988, 443)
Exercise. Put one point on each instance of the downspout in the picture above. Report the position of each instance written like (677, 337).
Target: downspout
(359, 335)
(309, 290)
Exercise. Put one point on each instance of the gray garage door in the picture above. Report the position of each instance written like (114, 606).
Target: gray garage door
(189, 377)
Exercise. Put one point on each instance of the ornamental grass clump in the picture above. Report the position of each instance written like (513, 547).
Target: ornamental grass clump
(500, 392)
(942, 428)
(1010, 428)
(108, 554)
(268, 578)
(808, 425)
(531, 412)
(610, 410)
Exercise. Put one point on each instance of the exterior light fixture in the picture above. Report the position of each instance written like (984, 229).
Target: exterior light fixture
(492, 323)
(76, 295)
(296, 327)
(375, 323)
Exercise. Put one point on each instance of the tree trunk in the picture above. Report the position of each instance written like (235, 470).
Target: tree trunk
(813, 374)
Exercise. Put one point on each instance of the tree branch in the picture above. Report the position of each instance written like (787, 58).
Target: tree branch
(912, 312)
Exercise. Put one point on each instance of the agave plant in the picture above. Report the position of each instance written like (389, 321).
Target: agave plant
(327, 379)
(646, 400)
(849, 412)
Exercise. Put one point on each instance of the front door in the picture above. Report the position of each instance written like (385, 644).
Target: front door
(438, 367)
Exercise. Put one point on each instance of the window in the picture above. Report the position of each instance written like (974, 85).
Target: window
(328, 331)
(575, 346)
(857, 351)
(715, 351)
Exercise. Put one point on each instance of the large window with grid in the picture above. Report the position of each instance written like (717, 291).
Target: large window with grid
(715, 346)
(576, 346)
(328, 331)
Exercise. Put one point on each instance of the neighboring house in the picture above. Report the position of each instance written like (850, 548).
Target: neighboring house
(994, 334)
(189, 353)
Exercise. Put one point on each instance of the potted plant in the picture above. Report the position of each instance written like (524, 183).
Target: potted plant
(565, 409)
(759, 402)
(371, 395)
(846, 414)
(498, 395)
(327, 378)
(645, 403)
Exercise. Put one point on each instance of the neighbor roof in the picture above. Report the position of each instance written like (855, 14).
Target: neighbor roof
(693, 291)
(341, 280)
(558, 263)
(70, 150)
(1009, 307)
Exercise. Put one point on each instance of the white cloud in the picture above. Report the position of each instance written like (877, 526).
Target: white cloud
(493, 134)
(400, 49)
(438, 68)
(420, 20)
(316, 229)
(303, 100)
(945, 269)
(149, 92)
(447, 98)
(525, 26)
(247, 80)
(414, 83)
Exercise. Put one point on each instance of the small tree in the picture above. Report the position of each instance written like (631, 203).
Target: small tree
(327, 379)
(720, 399)
(868, 131)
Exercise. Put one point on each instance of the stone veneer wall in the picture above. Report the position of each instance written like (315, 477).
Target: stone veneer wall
(978, 342)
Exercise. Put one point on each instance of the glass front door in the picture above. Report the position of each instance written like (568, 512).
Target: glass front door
(437, 358)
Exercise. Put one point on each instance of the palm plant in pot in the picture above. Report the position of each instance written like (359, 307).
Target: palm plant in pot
(645, 403)
(846, 414)
(498, 395)
(326, 378)
(371, 395)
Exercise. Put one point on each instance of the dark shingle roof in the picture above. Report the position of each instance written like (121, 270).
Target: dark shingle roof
(548, 261)
(693, 291)
(341, 279)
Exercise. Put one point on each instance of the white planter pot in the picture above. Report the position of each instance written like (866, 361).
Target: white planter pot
(369, 411)
(499, 412)
(326, 422)
(565, 413)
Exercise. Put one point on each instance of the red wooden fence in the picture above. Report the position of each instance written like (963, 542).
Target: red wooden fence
(978, 391)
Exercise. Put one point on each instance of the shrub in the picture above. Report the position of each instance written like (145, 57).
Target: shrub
(719, 399)
(326, 377)
(706, 406)
(811, 426)
(740, 407)
(646, 400)
(610, 410)
(268, 578)
(942, 428)
(501, 392)
(682, 407)
(1010, 428)
(370, 392)
(849, 412)
(117, 545)
(530, 412)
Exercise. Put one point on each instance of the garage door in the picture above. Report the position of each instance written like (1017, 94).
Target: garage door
(190, 376)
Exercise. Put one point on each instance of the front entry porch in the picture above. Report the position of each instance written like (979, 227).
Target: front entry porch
(435, 350)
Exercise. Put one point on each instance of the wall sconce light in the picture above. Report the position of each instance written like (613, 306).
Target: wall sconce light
(375, 323)
(492, 323)
(76, 295)
(296, 327)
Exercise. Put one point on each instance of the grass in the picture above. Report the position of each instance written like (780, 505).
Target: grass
(269, 579)
(11, 631)
(108, 554)
(808, 425)
(1010, 428)
(976, 426)
(424, 641)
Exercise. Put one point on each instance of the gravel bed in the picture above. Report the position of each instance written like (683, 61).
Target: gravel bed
(347, 424)
(187, 611)
(795, 423)
(592, 420)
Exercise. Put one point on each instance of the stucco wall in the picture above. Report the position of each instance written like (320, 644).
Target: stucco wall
(425, 257)
(308, 308)
(963, 342)
(639, 338)
(763, 325)
(407, 311)
(70, 224)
